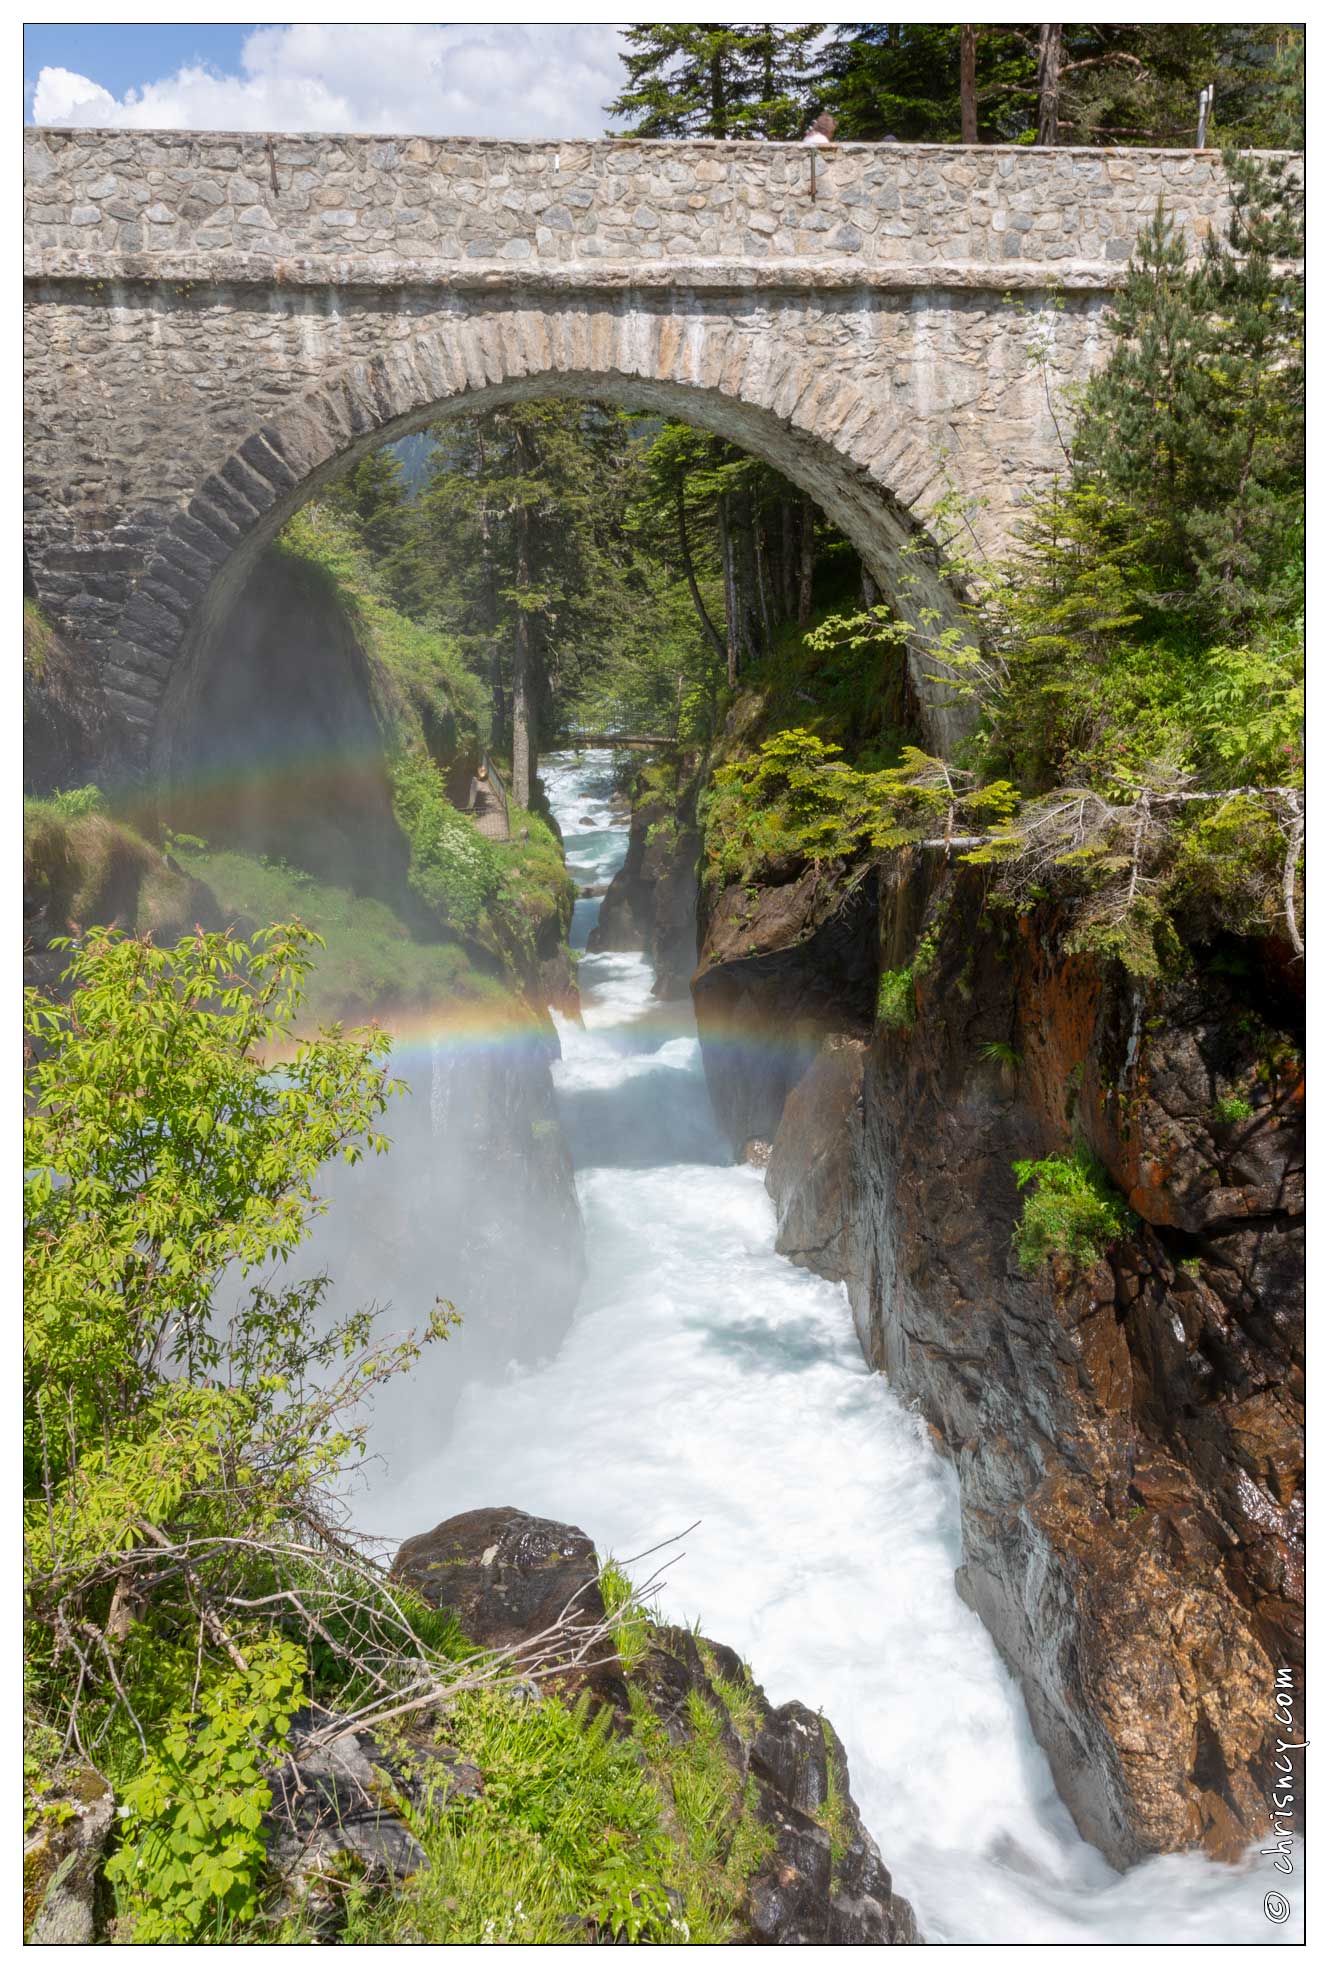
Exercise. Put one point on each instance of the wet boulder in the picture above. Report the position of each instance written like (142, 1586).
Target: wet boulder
(508, 1577)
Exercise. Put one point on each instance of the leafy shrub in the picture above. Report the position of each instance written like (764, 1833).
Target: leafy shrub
(192, 1849)
(628, 1620)
(181, 1471)
(895, 998)
(1231, 1109)
(795, 799)
(453, 867)
(570, 1825)
(1072, 1212)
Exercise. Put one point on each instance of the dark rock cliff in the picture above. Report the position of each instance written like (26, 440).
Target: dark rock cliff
(651, 904)
(1128, 1440)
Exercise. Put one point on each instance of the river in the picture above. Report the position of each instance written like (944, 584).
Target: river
(705, 1379)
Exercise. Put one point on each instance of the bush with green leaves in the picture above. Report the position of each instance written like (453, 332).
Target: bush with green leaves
(1072, 1211)
(183, 1465)
(1230, 1110)
(453, 867)
(191, 1854)
(795, 800)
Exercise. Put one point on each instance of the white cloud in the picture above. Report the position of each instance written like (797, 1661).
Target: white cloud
(455, 81)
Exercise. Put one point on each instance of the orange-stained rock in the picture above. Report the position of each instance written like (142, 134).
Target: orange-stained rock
(1128, 1440)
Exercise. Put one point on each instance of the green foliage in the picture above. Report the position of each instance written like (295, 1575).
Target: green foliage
(509, 894)
(1230, 1109)
(794, 800)
(422, 662)
(453, 867)
(1248, 707)
(1197, 419)
(739, 1698)
(722, 1842)
(832, 1814)
(651, 1836)
(367, 961)
(191, 1848)
(628, 1620)
(182, 1468)
(535, 891)
(1001, 1053)
(895, 998)
(569, 1826)
(717, 81)
(1226, 869)
(374, 500)
(1119, 83)
(38, 639)
(159, 1150)
(1072, 1211)
(70, 803)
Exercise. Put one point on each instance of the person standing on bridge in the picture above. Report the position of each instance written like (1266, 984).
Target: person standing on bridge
(488, 802)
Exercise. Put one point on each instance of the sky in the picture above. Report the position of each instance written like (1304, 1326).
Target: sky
(480, 80)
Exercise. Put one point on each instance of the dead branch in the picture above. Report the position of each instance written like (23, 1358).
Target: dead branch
(1296, 836)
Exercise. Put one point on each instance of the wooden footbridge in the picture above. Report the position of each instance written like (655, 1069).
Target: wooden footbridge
(604, 741)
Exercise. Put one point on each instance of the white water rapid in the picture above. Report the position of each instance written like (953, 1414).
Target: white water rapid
(704, 1378)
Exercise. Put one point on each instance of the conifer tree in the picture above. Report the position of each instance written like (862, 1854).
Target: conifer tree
(376, 498)
(1071, 83)
(687, 80)
(1198, 420)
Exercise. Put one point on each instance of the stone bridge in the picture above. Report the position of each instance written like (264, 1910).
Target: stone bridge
(218, 324)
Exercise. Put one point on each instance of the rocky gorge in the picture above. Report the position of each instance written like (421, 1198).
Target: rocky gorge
(1127, 1436)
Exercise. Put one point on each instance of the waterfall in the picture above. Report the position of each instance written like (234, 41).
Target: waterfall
(705, 1378)
(441, 1063)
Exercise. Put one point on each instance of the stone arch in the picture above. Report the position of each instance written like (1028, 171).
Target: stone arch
(720, 370)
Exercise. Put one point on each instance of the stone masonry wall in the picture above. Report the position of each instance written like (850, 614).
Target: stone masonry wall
(215, 324)
(418, 198)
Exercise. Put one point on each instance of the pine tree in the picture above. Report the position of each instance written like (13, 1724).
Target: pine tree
(687, 80)
(376, 498)
(904, 82)
(1071, 83)
(1198, 419)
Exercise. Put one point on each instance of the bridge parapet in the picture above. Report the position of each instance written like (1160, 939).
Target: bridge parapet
(216, 325)
(333, 208)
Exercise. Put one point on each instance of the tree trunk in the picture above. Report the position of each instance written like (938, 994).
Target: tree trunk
(1049, 81)
(523, 742)
(685, 551)
(749, 633)
(521, 711)
(730, 596)
(717, 96)
(805, 559)
(489, 596)
(764, 584)
(968, 85)
(788, 580)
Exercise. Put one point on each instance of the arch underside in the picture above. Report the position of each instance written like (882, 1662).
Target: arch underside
(803, 416)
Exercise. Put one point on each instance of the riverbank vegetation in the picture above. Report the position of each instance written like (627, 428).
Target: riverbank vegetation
(1135, 671)
(192, 1578)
